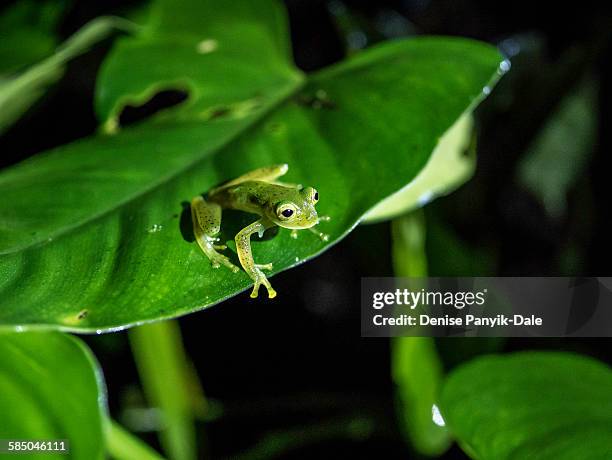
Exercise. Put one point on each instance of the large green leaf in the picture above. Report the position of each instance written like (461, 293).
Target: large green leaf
(90, 233)
(50, 388)
(531, 406)
(450, 165)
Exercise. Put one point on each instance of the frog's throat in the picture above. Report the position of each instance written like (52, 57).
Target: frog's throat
(298, 227)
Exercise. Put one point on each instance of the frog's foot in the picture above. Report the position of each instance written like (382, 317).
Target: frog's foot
(322, 236)
(294, 234)
(218, 247)
(264, 266)
(324, 218)
(259, 280)
(217, 260)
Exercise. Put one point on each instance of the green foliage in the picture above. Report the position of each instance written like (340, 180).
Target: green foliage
(450, 165)
(90, 233)
(27, 29)
(95, 235)
(18, 92)
(231, 60)
(50, 388)
(165, 374)
(418, 374)
(558, 156)
(531, 405)
(121, 445)
(415, 365)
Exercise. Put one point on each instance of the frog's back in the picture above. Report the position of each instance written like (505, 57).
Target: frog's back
(250, 196)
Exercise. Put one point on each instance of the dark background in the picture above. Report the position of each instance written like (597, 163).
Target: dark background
(297, 365)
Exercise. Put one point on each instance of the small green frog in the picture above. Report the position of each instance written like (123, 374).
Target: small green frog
(258, 192)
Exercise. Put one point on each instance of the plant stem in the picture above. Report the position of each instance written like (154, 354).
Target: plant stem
(122, 445)
(415, 365)
(169, 384)
(280, 443)
(408, 236)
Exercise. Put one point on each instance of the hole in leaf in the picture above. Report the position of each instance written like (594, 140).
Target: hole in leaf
(161, 101)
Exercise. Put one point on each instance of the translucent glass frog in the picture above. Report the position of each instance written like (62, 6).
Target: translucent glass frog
(258, 192)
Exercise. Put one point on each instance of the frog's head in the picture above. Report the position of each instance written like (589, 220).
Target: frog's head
(298, 212)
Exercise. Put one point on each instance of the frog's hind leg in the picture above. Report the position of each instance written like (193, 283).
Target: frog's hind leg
(267, 174)
(206, 219)
(243, 247)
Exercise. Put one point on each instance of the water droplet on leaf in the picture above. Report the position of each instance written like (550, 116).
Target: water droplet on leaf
(504, 66)
(155, 228)
(207, 46)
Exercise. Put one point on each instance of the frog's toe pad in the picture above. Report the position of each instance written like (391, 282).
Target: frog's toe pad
(255, 291)
(264, 266)
(258, 282)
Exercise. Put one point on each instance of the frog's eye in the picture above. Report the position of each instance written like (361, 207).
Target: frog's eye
(285, 211)
(311, 195)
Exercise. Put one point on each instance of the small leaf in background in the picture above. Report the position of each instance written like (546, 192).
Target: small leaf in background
(51, 388)
(540, 405)
(18, 92)
(27, 33)
(95, 228)
(560, 153)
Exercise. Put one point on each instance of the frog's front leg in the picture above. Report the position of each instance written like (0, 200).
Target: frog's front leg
(321, 235)
(206, 219)
(243, 247)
